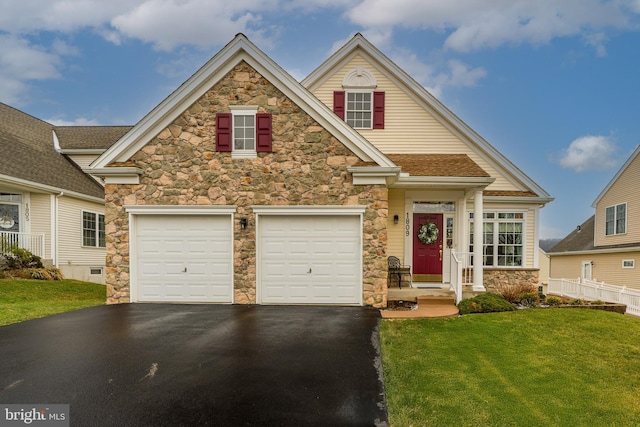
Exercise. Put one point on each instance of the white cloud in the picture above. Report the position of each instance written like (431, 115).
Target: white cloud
(80, 121)
(474, 25)
(438, 76)
(21, 62)
(590, 153)
(167, 24)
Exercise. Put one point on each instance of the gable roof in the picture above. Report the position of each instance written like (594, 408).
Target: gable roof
(616, 176)
(359, 44)
(580, 239)
(239, 49)
(30, 159)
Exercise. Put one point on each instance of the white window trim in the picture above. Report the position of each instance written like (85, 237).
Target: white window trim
(496, 220)
(632, 263)
(243, 110)
(615, 214)
(97, 230)
(346, 103)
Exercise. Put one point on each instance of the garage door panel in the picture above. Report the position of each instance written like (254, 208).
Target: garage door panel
(184, 258)
(308, 259)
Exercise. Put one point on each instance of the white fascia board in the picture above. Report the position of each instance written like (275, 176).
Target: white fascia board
(617, 175)
(373, 175)
(309, 210)
(216, 68)
(516, 199)
(92, 151)
(121, 175)
(596, 251)
(180, 209)
(443, 181)
(43, 188)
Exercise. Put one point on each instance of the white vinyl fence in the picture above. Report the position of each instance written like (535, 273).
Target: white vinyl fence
(591, 290)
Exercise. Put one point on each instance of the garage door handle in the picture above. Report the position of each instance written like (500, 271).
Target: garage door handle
(309, 270)
(185, 270)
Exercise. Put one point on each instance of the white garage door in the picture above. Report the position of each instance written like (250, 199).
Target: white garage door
(310, 259)
(184, 258)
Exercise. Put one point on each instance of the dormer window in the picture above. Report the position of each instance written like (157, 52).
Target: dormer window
(359, 110)
(359, 105)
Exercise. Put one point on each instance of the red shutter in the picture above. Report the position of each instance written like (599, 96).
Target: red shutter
(338, 103)
(378, 110)
(263, 133)
(223, 131)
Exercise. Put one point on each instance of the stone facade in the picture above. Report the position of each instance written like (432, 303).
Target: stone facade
(307, 166)
(494, 278)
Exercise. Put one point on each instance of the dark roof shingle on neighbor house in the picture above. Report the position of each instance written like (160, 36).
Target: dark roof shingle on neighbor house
(89, 137)
(580, 239)
(29, 154)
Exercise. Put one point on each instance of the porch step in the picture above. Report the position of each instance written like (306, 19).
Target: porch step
(428, 306)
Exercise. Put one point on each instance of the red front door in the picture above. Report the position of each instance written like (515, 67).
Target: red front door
(427, 257)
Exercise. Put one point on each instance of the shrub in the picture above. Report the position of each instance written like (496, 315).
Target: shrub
(17, 258)
(554, 301)
(485, 303)
(512, 293)
(50, 273)
(576, 301)
(529, 299)
(597, 302)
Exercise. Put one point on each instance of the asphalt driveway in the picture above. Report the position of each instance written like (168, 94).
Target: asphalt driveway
(219, 365)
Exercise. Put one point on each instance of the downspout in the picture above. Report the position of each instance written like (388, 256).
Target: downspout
(55, 229)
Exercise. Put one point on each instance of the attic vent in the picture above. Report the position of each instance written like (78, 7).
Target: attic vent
(359, 77)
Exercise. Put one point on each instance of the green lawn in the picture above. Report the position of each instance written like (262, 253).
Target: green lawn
(536, 367)
(22, 299)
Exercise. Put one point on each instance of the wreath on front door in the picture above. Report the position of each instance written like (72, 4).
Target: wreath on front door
(428, 233)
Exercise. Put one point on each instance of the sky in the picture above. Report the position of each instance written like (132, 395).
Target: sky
(552, 84)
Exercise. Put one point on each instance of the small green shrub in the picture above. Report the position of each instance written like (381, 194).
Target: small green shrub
(485, 303)
(597, 302)
(554, 301)
(576, 301)
(529, 299)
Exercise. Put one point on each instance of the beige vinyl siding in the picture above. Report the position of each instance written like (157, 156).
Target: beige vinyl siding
(409, 128)
(607, 267)
(40, 219)
(395, 239)
(70, 249)
(624, 190)
(82, 160)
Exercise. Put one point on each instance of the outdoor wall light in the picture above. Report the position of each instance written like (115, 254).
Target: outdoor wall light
(243, 223)
(396, 218)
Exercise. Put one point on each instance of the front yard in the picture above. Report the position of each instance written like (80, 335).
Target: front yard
(551, 367)
(22, 299)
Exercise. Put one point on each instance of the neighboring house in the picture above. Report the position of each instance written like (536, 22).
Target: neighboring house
(606, 247)
(48, 205)
(247, 186)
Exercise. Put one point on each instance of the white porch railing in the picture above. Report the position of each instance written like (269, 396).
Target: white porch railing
(592, 290)
(461, 273)
(34, 243)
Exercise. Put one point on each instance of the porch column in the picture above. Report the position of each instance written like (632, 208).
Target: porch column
(478, 226)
